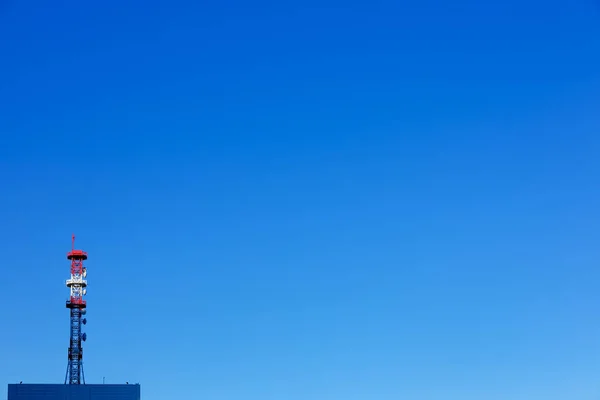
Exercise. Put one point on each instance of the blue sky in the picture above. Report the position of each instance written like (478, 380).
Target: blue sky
(305, 200)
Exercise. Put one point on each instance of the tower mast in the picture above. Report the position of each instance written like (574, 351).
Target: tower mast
(77, 306)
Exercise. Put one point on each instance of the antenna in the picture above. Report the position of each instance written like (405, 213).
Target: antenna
(77, 306)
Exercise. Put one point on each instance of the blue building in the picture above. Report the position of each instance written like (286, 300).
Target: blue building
(73, 392)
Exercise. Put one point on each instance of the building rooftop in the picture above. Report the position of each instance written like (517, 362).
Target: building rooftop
(22, 391)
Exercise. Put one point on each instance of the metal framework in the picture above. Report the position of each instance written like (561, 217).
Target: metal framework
(77, 306)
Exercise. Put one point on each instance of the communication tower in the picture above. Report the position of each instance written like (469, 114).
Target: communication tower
(77, 306)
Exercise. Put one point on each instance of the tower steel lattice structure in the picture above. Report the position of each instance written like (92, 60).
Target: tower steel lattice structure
(77, 284)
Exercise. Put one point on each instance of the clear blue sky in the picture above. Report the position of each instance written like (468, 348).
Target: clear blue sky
(315, 200)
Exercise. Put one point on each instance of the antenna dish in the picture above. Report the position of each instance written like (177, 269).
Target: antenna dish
(84, 321)
(84, 337)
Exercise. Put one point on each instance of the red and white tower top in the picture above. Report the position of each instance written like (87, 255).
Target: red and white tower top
(77, 283)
